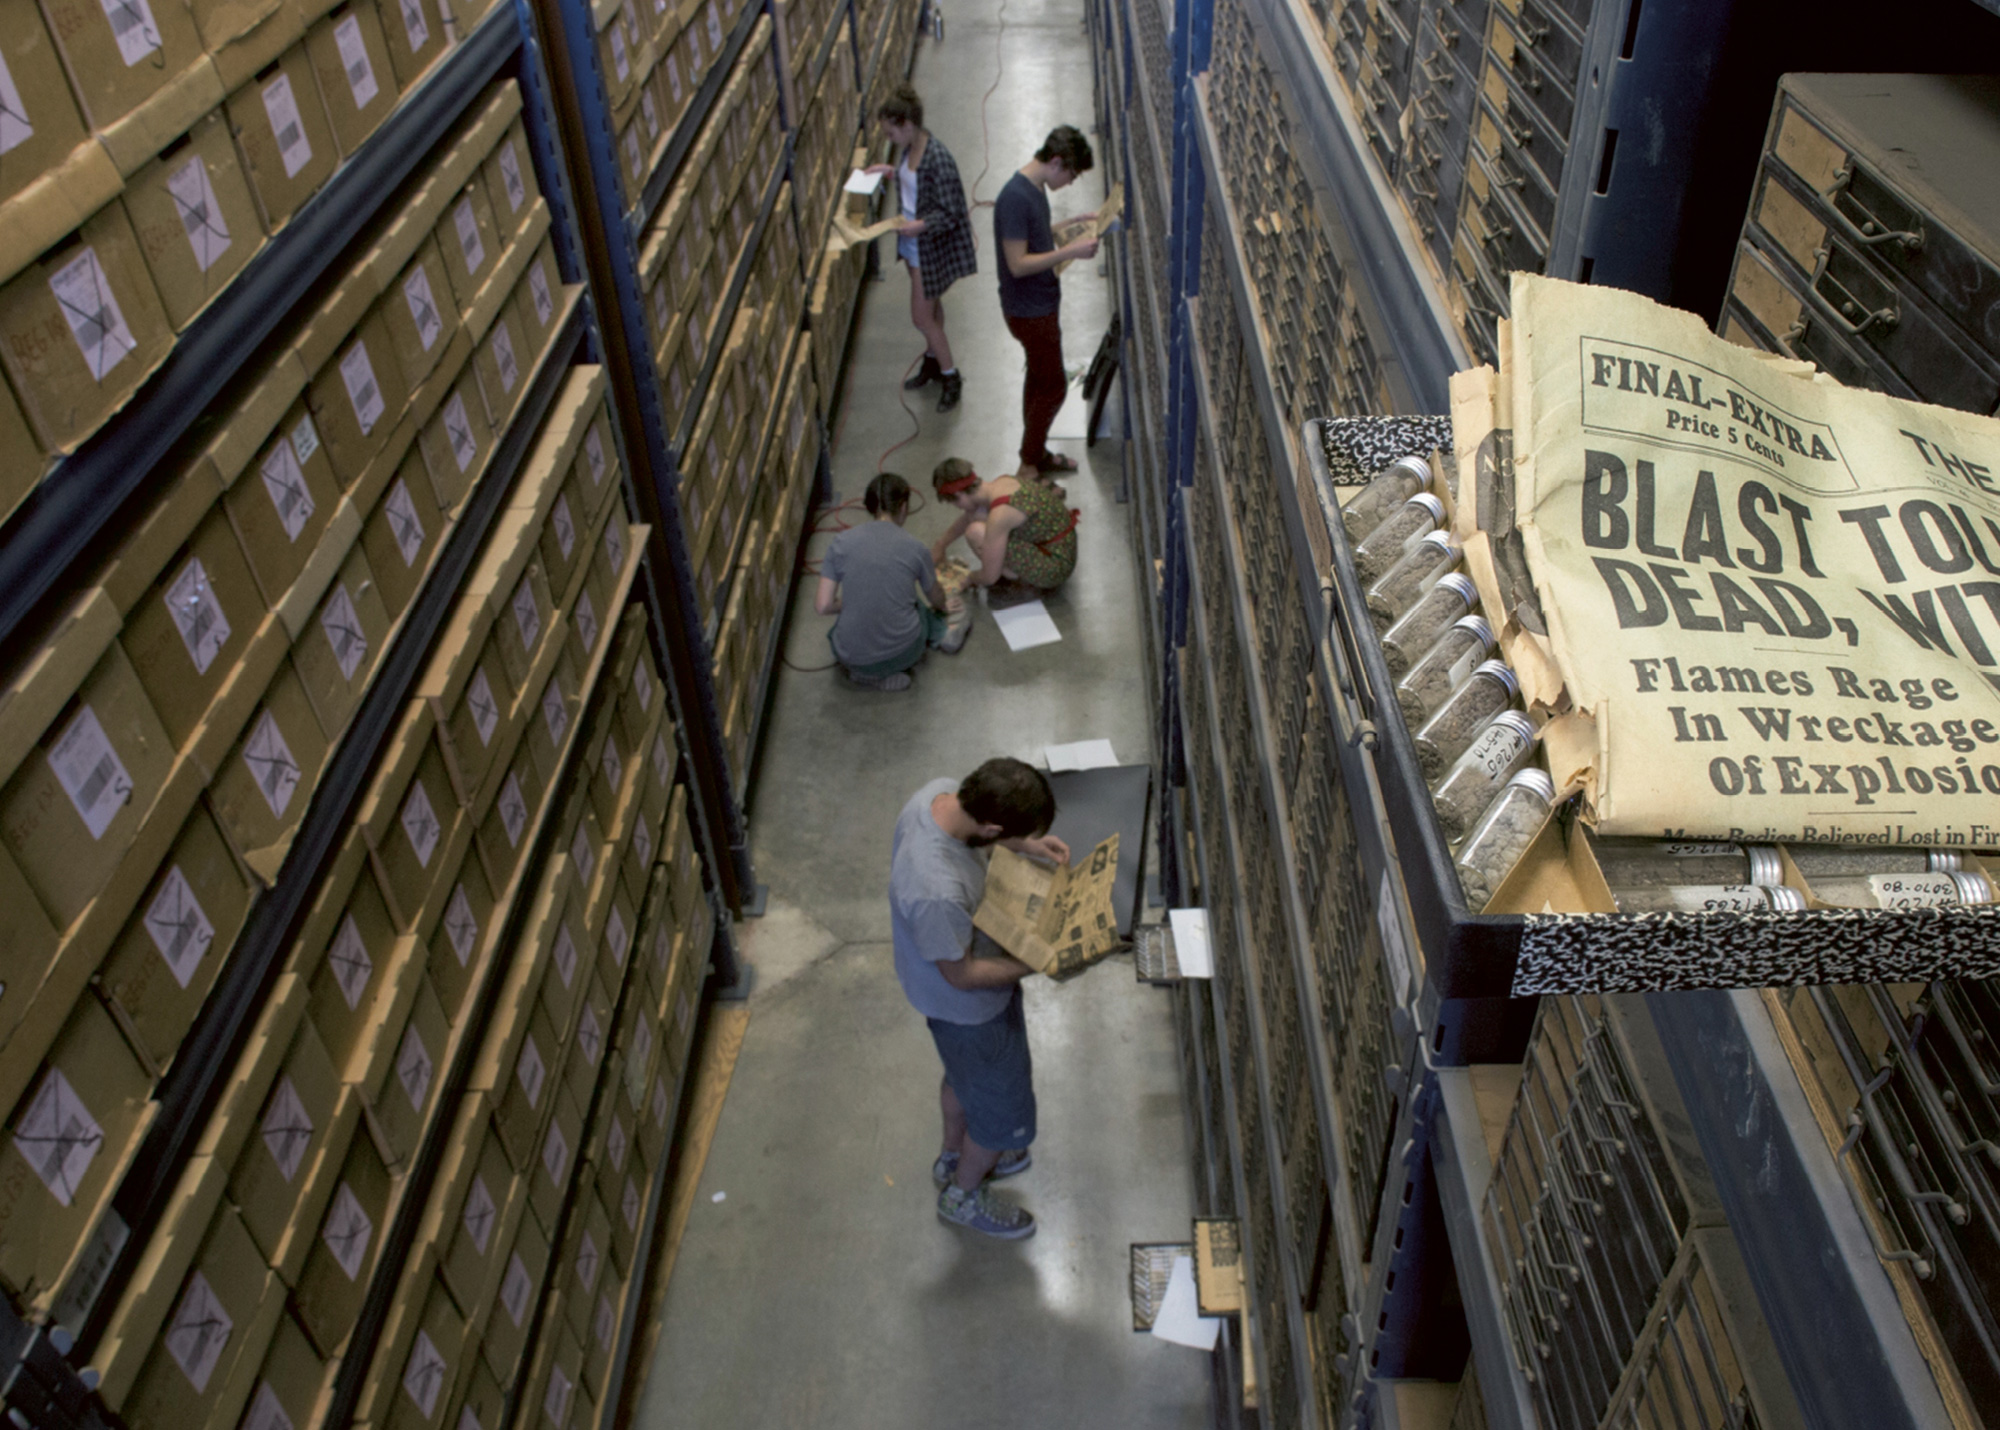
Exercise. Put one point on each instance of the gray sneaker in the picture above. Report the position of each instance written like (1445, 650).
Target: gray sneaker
(1011, 1164)
(986, 1212)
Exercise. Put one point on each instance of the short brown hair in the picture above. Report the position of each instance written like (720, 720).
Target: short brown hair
(1011, 794)
(1066, 142)
(950, 470)
(903, 106)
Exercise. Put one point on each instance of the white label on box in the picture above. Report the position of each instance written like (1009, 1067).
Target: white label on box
(15, 126)
(179, 928)
(538, 291)
(503, 358)
(555, 1404)
(363, 392)
(531, 1070)
(582, 855)
(555, 712)
(513, 811)
(555, 1154)
(133, 28)
(285, 483)
(199, 1330)
(650, 112)
(684, 1014)
(418, 33)
(632, 1203)
(606, 1324)
(354, 59)
(423, 307)
(615, 1143)
(663, 310)
(527, 615)
(660, 1102)
(612, 763)
(674, 77)
(461, 925)
(58, 1137)
(663, 762)
(89, 306)
(470, 247)
(271, 765)
(515, 1288)
(642, 686)
(342, 624)
(621, 63)
(458, 431)
(266, 1412)
(634, 156)
(348, 957)
(348, 1231)
(467, 1420)
(404, 523)
(614, 545)
(590, 1035)
(420, 824)
(593, 451)
(587, 1262)
(414, 1067)
(585, 617)
(485, 709)
(305, 440)
(424, 1376)
(287, 1129)
(201, 216)
(281, 107)
(714, 27)
(642, 842)
(564, 525)
(510, 177)
(564, 954)
(479, 1213)
(198, 615)
(617, 937)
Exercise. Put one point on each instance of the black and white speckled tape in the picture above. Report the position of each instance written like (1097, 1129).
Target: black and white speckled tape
(1356, 448)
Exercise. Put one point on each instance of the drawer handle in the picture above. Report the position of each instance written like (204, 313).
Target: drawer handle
(1437, 70)
(1429, 107)
(1447, 32)
(1870, 231)
(1849, 314)
(1416, 179)
(1522, 136)
(1531, 33)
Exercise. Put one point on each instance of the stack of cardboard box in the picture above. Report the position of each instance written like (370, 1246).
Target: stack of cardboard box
(655, 56)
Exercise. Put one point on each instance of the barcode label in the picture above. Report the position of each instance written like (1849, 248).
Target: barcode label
(593, 451)
(585, 617)
(348, 958)
(642, 686)
(424, 1376)
(612, 763)
(485, 710)
(564, 526)
(470, 247)
(564, 954)
(642, 843)
(617, 937)
(531, 1070)
(423, 307)
(342, 625)
(588, 1262)
(201, 217)
(650, 112)
(590, 1035)
(614, 545)
(282, 109)
(133, 28)
(414, 1068)
(287, 1129)
(632, 1203)
(513, 811)
(15, 126)
(515, 1288)
(458, 431)
(354, 59)
(510, 177)
(90, 772)
(539, 295)
(504, 360)
(362, 392)
(404, 523)
(95, 320)
(58, 1137)
(305, 440)
(527, 615)
(179, 928)
(616, 1141)
(479, 1213)
(348, 1231)
(555, 1404)
(266, 1413)
(198, 615)
(582, 854)
(285, 483)
(621, 63)
(461, 925)
(420, 824)
(555, 712)
(606, 1324)
(271, 765)
(414, 27)
(198, 1332)
(555, 1154)
(663, 761)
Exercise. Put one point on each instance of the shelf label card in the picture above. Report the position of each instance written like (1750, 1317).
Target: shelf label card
(91, 309)
(198, 615)
(201, 216)
(281, 107)
(179, 928)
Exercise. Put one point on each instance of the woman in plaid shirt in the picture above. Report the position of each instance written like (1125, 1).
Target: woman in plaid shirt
(936, 234)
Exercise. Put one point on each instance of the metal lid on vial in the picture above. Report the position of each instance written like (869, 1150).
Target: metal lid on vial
(1513, 720)
(1441, 540)
(1430, 504)
(1500, 671)
(1972, 887)
(1785, 899)
(1459, 583)
(1765, 866)
(1945, 862)
(1477, 627)
(1536, 781)
(1416, 466)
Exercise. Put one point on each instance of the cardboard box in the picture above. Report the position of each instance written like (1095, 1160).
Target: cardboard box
(479, 1403)
(478, 1213)
(551, 719)
(357, 80)
(358, 964)
(467, 734)
(27, 945)
(262, 791)
(413, 830)
(469, 240)
(410, 1086)
(614, 945)
(464, 927)
(21, 460)
(520, 1287)
(587, 1047)
(509, 175)
(565, 543)
(401, 537)
(589, 1260)
(643, 848)
(54, 128)
(76, 803)
(284, 503)
(189, 633)
(330, 1289)
(195, 217)
(582, 836)
(159, 971)
(555, 1156)
(356, 398)
(116, 66)
(457, 442)
(521, 629)
(290, 1382)
(282, 132)
(540, 297)
(416, 36)
(521, 1105)
(431, 1365)
(273, 1175)
(229, 1297)
(419, 313)
(503, 363)
(569, 965)
(80, 329)
(66, 1147)
(503, 832)
(338, 653)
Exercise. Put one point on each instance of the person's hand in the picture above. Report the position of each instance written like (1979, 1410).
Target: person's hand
(1083, 248)
(954, 605)
(880, 169)
(1046, 847)
(911, 226)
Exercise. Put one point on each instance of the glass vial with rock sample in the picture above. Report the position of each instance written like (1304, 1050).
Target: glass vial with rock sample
(1404, 584)
(1817, 861)
(1400, 530)
(1441, 739)
(1655, 863)
(1443, 668)
(1387, 490)
(1503, 834)
(1924, 890)
(1709, 899)
(1476, 777)
(1418, 628)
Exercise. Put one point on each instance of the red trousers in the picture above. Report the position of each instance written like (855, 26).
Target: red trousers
(1043, 393)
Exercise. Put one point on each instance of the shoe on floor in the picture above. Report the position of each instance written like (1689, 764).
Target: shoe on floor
(1011, 1164)
(924, 376)
(1055, 462)
(986, 1212)
(953, 389)
(899, 681)
(954, 635)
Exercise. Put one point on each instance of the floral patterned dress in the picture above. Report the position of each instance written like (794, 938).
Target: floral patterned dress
(1041, 550)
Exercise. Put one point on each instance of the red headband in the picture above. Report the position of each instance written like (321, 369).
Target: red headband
(958, 484)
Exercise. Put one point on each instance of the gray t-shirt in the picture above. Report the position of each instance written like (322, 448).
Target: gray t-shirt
(879, 567)
(935, 884)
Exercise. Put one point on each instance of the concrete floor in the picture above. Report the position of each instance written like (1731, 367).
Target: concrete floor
(821, 1290)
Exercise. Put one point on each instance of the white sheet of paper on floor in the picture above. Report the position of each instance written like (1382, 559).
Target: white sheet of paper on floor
(1180, 1319)
(1190, 927)
(1080, 755)
(862, 182)
(1026, 625)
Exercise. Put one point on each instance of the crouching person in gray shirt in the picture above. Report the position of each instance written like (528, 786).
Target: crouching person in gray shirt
(870, 579)
(937, 876)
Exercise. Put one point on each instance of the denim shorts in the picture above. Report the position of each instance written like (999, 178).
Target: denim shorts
(988, 1066)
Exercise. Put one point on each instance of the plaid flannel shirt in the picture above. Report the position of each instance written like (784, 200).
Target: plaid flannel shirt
(945, 250)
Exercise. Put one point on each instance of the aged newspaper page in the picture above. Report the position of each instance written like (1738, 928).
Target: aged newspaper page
(1774, 601)
(1057, 921)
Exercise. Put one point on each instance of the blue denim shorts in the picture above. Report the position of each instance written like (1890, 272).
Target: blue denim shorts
(988, 1066)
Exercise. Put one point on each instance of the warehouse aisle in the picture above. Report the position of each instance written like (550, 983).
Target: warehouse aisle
(815, 1286)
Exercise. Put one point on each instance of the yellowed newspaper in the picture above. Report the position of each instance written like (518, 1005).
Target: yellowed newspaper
(1057, 921)
(1096, 226)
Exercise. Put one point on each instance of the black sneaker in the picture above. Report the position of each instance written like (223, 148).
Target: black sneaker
(923, 376)
(954, 388)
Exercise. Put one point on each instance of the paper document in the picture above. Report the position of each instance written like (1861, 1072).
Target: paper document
(861, 182)
(1027, 625)
(1057, 921)
(1097, 226)
(846, 233)
(1180, 1319)
(1082, 755)
(1190, 930)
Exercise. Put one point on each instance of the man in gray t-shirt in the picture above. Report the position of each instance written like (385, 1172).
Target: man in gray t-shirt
(869, 578)
(937, 876)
